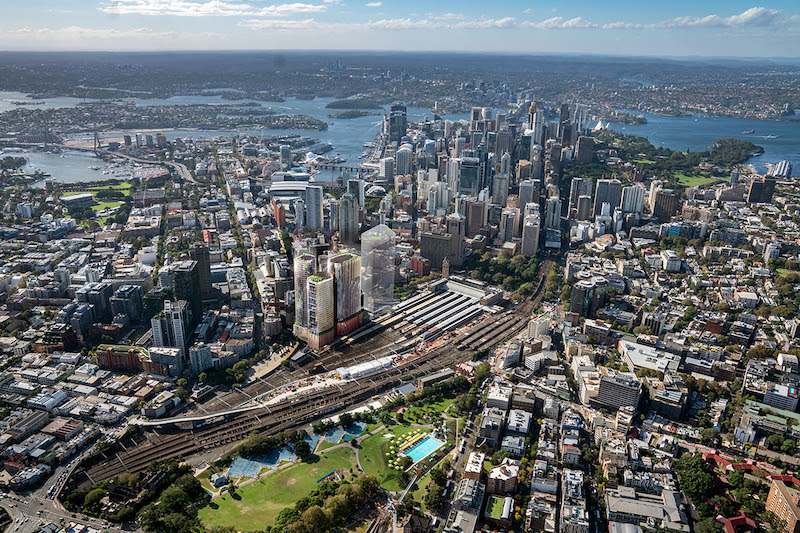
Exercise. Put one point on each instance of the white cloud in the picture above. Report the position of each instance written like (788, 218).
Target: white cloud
(190, 8)
(373, 4)
(755, 17)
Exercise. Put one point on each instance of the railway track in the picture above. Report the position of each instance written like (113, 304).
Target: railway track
(182, 442)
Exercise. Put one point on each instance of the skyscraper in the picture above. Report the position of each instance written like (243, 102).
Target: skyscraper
(320, 313)
(348, 218)
(552, 216)
(469, 181)
(579, 187)
(186, 286)
(286, 157)
(398, 123)
(530, 230)
(633, 199)
(457, 227)
(346, 270)
(314, 219)
(500, 189)
(386, 169)
(404, 160)
(304, 266)
(357, 187)
(607, 192)
(527, 192)
(377, 259)
(199, 253)
(172, 328)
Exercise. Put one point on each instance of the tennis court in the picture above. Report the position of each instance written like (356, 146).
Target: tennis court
(244, 467)
(336, 434)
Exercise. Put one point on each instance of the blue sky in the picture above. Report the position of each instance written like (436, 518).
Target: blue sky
(675, 28)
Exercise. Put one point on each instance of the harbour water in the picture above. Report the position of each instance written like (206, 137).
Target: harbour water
(781, 140)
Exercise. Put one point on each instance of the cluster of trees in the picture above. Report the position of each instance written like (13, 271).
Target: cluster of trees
(345, 421)
(434, 495)
(326, 507)
(512, 273)
(260, 444)
(696, 478)
(12, 163)
(176, 509)
(664, 163)
(233, 375)
(781, 444)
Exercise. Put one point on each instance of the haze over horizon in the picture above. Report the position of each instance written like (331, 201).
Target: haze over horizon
(678, 29)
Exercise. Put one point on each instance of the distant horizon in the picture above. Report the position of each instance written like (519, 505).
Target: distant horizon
(693, 57)
(681, 28)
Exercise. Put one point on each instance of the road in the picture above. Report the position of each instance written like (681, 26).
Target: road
(180, 168)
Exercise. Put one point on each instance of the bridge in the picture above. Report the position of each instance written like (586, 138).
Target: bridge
(336, 166)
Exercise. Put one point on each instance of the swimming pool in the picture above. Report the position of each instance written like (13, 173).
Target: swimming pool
(426, 446)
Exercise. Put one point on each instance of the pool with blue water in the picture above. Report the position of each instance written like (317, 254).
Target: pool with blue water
(423, 449)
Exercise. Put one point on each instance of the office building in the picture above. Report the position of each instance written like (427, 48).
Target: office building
(607, 192)
(199, 252)
(172, 328)
(618, 389)
(404, 161)
(579, 187)
(304, 266)
(665, 205)
(584, 149)
(500, 189)
(98, 294)
(398, 123)
(346, 271)
(469, 181)
(320, 310)
(378, 263)
(633, 199)
(127, 300)
(528, 192)
(286, 157)
(313, 216)
(530, 230)
(457, 228)
(552, 216)
(386, 169)
(348, 218)
(356, 187)
(761, 190)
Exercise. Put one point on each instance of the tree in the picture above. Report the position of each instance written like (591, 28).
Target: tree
(438, 476)
(708, 525)
(302, 448)
(92, 500)
(345, 420)
(482, 372)
(433, 498)
(709, 437)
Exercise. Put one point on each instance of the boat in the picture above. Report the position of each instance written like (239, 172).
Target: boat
(748, 132)
(771, 136)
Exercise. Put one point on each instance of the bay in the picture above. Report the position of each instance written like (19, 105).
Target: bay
(780, 139)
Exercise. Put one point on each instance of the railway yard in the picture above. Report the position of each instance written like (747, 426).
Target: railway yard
(407, 335)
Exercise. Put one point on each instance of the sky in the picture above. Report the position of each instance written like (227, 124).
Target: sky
(708, 28)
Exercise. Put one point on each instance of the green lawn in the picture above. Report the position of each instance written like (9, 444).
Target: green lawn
(262, 500)
(105, 205)
(693, 181)
(644, 161)
(494, 507)
(373, 456)
(419, 493)
(783, 271)
(429, 412)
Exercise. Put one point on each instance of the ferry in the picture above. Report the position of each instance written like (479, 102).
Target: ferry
(748, 132)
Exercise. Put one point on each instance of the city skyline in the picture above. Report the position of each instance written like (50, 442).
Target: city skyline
(709, 29)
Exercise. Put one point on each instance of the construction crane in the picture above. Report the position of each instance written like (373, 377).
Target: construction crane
(392, 505)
